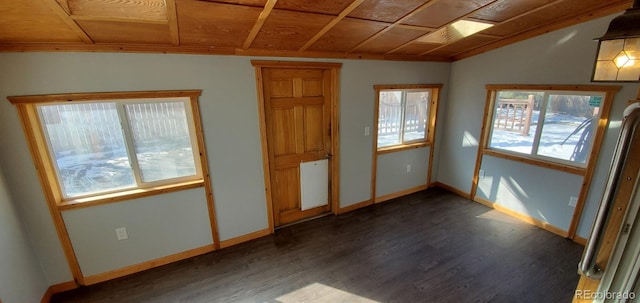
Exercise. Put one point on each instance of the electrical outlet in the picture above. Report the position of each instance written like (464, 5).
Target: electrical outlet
(121, 233)
(409, 168)
(573, 201)
(367, 131)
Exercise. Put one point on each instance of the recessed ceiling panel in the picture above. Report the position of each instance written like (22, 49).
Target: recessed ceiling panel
(445, 11)
(391, 39)
(126, 32)
(333, 7)
(30, 21)
(505, 9)
(347, 34)
(385, 10)
(548, 15)
(215, 24)
(287, 30)
(137, 10)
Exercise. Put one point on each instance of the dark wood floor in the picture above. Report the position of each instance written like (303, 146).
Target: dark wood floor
(431, 246)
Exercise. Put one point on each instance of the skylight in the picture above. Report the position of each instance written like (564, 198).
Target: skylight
(454, 31)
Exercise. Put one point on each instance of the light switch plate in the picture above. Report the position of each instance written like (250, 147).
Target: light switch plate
(121, 233)
(573, 201)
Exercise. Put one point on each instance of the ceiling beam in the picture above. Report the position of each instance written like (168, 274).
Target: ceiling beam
(202, 50)
(172, 18)
(333, 23)
(65, 6)
(64, 16)
(117, 19)
(268, 7)
(416, 27)
(386, 29)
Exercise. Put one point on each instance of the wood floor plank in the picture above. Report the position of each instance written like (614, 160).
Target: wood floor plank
(431, 246)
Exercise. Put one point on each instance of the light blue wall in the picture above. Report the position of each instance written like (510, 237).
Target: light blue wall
(560, 57)
(229, 96)
(231, 129)
(157, 226)
(356, 112)
(538, 192)
(21, 278)
(392, 175)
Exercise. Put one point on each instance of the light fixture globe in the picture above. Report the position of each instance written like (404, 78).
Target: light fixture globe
(618, 58)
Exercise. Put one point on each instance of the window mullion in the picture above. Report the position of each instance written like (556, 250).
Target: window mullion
(128, 138)
(543, 112)
(403, 106)
(427, 113)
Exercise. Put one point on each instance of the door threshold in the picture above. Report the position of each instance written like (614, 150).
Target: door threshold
(304, 220)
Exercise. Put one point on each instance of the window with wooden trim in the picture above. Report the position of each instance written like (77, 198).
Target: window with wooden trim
(97, 146)
(406, 115)
(554, 126)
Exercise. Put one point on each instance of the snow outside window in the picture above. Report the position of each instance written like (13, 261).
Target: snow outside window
(550, 125)
(402, 116)
(110, 146)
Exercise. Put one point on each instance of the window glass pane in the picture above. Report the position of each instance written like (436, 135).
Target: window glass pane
(162, 140)
(569, 126)
(389, 118)
(88, 146)
(416, 116)
(515, 120)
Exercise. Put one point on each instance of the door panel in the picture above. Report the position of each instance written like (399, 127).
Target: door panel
(289, 177)
(298, 124)
(283, 138)
(314, 139)
(311, 88)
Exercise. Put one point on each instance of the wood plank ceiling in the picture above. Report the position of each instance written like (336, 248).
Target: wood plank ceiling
(425, 30)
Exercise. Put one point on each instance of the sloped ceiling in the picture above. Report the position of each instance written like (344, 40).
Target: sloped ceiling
(426, 30)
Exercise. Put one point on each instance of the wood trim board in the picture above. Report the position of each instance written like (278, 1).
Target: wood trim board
(526, 218)
(401, 193)
(148, 264)
(452, 189)
(355, 206)
(58, 288)
(245, 238)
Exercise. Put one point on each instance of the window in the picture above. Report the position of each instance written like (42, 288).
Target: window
(406, 114)
(101, 144)
(556, 126)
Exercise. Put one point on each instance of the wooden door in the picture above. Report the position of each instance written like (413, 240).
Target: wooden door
(297, 108)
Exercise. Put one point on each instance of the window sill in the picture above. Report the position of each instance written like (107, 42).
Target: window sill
(537, 162)
(401, 147)
(127, 195)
